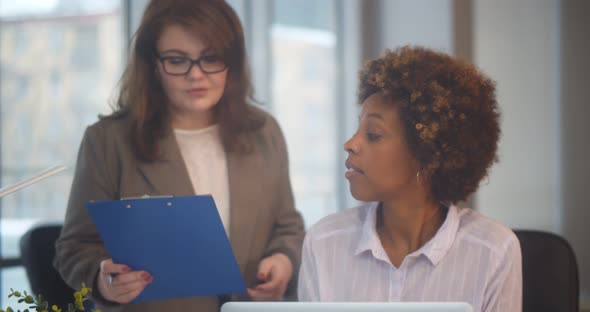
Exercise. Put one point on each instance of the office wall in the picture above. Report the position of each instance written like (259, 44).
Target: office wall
(517, 44)
(538, 51)
(575, 129)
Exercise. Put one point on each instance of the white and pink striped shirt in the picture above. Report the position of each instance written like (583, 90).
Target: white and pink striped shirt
(471, 259)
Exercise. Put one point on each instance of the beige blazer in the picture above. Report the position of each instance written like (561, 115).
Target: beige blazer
(263, 218)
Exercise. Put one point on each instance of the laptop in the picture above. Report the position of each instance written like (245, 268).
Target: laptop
(346, 307)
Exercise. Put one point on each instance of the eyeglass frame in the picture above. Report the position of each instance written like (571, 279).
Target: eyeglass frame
(192, 63)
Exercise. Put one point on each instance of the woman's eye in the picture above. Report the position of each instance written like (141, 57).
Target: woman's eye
(210, 58)
(177, 61)
(373, 136)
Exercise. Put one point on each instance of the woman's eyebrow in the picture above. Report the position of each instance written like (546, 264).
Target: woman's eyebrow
(372, 116)
(174, 51)
(206, 51)
(375, 115)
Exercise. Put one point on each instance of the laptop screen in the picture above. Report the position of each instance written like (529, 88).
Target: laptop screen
(346, 307)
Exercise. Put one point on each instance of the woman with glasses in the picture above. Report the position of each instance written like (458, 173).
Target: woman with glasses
(183, 126)
(428, 134)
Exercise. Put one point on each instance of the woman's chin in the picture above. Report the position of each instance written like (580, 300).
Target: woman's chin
(361, 194)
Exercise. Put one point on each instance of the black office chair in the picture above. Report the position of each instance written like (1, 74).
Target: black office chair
(549, 273)
(37, 247)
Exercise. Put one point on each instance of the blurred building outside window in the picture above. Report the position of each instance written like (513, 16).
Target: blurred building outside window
(60, 61)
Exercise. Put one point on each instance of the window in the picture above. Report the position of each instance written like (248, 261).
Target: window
(60, 62)
(304, 57)
(303, 45)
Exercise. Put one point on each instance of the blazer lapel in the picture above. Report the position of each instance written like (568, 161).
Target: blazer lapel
(168, 176)
(244, 205)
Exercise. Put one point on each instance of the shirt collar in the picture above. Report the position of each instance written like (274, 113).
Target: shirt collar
(369, 240)
(434, 250)
(441, 243)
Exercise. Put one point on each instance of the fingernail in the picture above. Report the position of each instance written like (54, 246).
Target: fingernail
(149, 279)
(126, 269)
(145, 275)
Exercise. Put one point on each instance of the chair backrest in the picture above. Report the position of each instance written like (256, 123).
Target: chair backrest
(549, 272)
(37, 247)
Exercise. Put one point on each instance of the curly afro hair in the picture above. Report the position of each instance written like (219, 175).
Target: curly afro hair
(449, 113)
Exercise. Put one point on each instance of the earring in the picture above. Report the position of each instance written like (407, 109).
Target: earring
(418, 177)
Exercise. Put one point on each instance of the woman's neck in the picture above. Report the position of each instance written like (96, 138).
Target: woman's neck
(405, 225)
(192, 121)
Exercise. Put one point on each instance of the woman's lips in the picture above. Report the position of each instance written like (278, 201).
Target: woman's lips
(353, 170)
(197, 91)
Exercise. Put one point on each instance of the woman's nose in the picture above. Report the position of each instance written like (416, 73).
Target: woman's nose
(195, 72)
(350, 146)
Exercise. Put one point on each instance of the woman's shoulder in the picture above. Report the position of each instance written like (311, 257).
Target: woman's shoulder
(268, 121)
(343, 223)
(477, 228)
(110, 123)
(108, 130)
(268, 134)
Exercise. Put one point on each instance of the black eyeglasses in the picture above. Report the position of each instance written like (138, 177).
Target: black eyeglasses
(182, 65)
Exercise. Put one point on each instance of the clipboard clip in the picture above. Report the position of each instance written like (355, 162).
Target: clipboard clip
(146, 196)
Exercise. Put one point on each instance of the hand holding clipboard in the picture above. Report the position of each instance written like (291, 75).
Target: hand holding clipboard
(179, 241)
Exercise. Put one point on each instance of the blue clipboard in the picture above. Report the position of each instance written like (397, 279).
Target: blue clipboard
(180, 241)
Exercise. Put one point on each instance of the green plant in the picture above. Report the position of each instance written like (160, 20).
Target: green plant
(39, 305)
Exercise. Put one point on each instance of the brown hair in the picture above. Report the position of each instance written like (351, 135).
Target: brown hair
(142, 98)
(449, 114)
